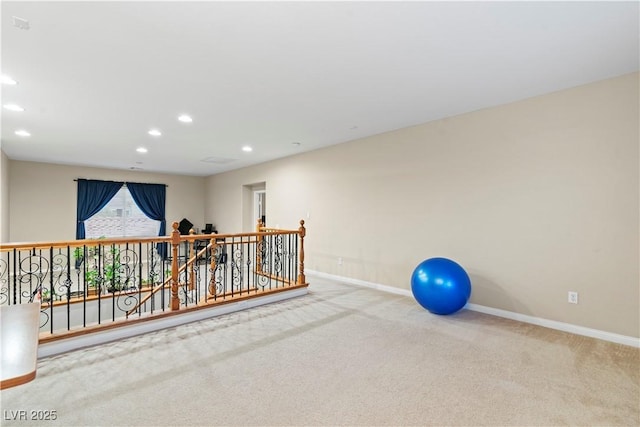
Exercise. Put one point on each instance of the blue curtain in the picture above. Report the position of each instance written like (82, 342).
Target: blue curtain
(151, 199)
(93, 195)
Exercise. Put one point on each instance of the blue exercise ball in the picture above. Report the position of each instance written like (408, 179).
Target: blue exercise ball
(440, 285)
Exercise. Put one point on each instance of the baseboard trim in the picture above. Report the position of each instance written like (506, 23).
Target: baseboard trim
(552, 324)
(359, 282)
(88, 340)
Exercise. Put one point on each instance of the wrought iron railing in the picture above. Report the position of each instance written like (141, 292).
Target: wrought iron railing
(98, 282)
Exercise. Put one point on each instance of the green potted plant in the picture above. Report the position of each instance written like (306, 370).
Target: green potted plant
(45, 295)
(112, 277)
(92, 276)
(92, 280)
(78, 254)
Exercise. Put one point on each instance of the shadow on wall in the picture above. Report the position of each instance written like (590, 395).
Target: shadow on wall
(379, 271)
(488, 293)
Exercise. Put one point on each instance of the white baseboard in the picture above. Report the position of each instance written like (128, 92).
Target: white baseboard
(359, 282)
(552, 324)
(69, 344)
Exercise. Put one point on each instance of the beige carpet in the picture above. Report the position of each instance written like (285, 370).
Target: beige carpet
(342, 355)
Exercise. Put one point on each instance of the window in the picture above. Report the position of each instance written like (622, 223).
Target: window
(121, 217)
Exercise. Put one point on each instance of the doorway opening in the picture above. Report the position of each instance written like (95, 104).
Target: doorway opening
(260, 205)
(254, 205)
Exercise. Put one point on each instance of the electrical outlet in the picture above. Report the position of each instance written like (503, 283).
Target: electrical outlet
(339, 260)
(573, 297)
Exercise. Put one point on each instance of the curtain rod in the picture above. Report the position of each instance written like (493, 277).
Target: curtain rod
(125, 182)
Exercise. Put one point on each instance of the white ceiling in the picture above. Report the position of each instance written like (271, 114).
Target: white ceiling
(94, 77)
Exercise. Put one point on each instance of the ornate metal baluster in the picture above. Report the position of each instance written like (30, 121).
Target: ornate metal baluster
(5, 296)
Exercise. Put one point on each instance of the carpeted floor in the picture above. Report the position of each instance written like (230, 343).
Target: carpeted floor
(342, 355)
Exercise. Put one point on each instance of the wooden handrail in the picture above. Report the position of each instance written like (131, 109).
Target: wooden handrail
(123, 240)
(141, 262)
(168, 280)
(214, 237)
(79, 243)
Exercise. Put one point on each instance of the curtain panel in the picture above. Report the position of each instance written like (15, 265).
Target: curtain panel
(151, 199)
(93, 195)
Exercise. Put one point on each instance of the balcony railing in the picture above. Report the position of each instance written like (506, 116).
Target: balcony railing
(107, 282)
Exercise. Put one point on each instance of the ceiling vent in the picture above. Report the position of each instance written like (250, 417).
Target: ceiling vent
(218, 160)
(23, 24)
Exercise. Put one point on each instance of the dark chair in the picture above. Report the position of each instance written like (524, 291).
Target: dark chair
(184, 226)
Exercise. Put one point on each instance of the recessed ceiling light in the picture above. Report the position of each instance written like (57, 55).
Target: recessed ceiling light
(13, 107)
(22, 132)
(6, 80)
(185, 119)
(141, 150)
(155, 132)
(247, 149)
(21, 23)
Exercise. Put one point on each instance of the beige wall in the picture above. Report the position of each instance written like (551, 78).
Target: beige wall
(43, 198)
(534, 199)
(4, 198)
